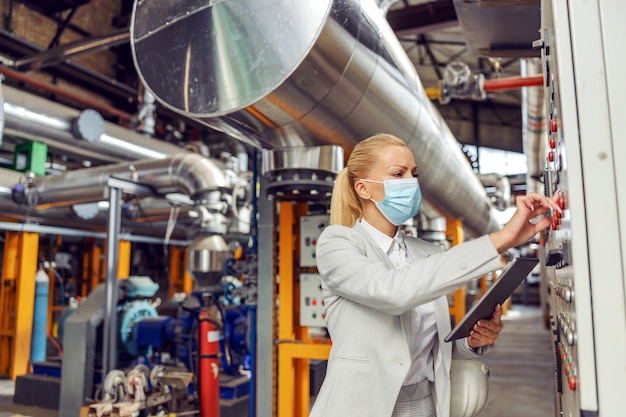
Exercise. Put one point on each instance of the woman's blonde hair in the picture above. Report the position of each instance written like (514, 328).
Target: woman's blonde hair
(345, 206)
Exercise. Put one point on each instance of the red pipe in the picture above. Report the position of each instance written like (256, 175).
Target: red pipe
(75, 97)
(511, 83)
(209, 347)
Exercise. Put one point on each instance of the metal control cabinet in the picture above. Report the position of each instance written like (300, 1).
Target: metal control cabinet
(310, 229)
(311, 299)
(583, 59)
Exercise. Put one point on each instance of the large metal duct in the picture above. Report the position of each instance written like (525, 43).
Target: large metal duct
(82, 135)
(285, 73)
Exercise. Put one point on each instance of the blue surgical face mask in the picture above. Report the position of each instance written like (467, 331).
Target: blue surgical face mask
(402, 199)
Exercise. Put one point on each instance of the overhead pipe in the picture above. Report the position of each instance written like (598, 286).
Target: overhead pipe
(31, 117)
(512, 83)
(200, 178)
(535, 127)
(339, 75)
(21, 77)
(150, 222)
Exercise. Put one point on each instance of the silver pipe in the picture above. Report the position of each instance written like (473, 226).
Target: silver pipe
(68, 231)
(190, 174)
(109, 327)
(149, 218)
(535, 126)
(32, 117)
(280, 74)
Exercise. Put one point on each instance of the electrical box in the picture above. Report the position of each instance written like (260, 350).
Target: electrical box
(310, 229)
(311, 301)
(31, 157)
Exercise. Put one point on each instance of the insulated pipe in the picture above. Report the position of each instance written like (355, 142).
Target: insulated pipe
(190, 174)
(150, 220)
(535, 128)
(282, 74)
(21, 77)
(32, 117)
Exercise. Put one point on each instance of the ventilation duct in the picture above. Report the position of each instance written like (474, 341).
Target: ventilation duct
(280, 74)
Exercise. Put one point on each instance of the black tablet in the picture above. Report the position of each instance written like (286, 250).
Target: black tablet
(510, 278)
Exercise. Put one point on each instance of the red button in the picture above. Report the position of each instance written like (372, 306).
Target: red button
(552, 143)
(571, 381)
(553, 125)
(314, 302)
(568, 367)
(551, 156)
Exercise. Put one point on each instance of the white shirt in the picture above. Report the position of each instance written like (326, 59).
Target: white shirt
(424, 323)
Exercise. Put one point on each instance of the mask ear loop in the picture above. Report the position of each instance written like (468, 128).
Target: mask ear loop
(376, 182)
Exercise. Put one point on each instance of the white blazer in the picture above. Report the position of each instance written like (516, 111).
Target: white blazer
(369, 306)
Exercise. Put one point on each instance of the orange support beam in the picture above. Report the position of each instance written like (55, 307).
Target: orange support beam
(286, 334)
(123, 259)
(295, 347)
(454, 232)
(17, 298)
(180, 278)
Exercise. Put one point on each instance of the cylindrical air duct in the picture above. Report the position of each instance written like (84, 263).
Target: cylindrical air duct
(284, 73)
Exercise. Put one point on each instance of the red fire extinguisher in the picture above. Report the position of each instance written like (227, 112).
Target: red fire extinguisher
(209, 348)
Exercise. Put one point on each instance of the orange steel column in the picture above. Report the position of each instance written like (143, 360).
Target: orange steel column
(17, 298)
(302, 375)
(286, 334)
(295, 348)
(123, 263)
(94, 267)
(188, 280)
(180, 278)
(454, 232)
(176, 273)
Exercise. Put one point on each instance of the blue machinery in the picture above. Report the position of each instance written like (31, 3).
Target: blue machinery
(155, 341)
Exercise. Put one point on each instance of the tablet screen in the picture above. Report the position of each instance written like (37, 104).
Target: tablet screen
(510, 278)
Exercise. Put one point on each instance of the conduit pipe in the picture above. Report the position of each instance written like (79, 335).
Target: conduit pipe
(64, 93)
(151, 220)
(31, 117)
(511, 83)
(281, 74)
(535, 127)
(200, 178)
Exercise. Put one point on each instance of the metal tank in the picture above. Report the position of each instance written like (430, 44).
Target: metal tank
(279, 74)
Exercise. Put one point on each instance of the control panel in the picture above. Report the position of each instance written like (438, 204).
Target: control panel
(310, 229)
(311, 301)
(584, 247)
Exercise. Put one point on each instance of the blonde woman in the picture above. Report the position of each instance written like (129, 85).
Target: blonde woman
(385, 293)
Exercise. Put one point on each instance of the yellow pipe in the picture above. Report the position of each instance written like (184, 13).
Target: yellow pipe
(434, 92)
